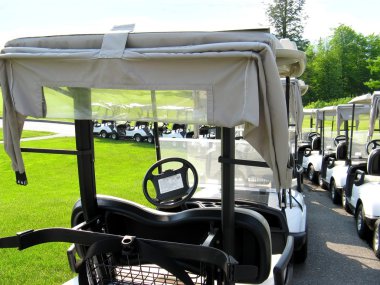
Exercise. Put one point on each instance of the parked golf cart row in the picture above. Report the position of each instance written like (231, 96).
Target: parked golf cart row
(351, 170)
(141, 131)
(123, 130)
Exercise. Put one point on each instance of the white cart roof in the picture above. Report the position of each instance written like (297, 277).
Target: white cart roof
(343, 113)
(295, 102)
(375, 108)
(225, 78)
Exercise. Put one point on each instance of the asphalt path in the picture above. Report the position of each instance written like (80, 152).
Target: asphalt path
(336, 254)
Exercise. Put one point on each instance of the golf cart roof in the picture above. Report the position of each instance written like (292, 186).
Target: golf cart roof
(375, 108)
(362, 99)
(342, 113)
(290, 61)
(295, 102)
(228, 78)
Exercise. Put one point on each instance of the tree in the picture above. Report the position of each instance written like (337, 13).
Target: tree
(374, 81)
(286, 16)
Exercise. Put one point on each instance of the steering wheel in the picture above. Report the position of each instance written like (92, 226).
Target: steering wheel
(311, 135)
(373, 144)
(171, 186)
(338, 139)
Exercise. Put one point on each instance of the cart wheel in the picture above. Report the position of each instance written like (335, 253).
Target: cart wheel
(103, 134)
(114, 136)
(301, 254)
(334, 193)
(171, 187)
(361, 226)
(376, 240)
(344, 202)
(311, 173)
(137, 138)
(150, 139)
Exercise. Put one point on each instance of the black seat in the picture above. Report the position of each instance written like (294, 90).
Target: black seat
(341, 151)
(373, 165)
(253, 245)
(316, 143)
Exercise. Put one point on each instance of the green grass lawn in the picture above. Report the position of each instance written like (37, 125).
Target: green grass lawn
(48, 200)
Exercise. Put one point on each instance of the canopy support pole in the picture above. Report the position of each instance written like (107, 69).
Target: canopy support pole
(228, 190)
(86, 169)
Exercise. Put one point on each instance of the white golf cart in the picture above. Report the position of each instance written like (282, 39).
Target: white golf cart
(312, 156)
(348, 151)
(228, 78)
(362, 190)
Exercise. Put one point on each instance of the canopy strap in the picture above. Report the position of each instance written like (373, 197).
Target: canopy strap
(114, 42)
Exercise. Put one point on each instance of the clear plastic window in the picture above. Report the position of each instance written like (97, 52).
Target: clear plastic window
(186, 106)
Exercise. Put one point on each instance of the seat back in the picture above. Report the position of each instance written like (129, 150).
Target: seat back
(341, 151)
(373, 164)
(316, 143)
(252, 233)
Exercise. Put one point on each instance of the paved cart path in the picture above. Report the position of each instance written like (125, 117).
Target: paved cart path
(336, 254)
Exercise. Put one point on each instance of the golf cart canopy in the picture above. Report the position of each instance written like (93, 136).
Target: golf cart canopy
(375, 107)
(343, 113)
(221, 78)
(295, 102)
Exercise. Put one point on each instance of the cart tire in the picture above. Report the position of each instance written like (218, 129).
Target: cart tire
(334, 193)
(311, 173)
(361, 226)
(150, 139)
(301, 254)
(345, 202)
(114, 136)
(103, 134)
(376, 240)
(320, 181)
(137, 138)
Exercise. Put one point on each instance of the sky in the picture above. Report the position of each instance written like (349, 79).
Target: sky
(25, 18)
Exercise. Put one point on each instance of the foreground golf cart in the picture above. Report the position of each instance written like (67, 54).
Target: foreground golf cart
(361, 195)
(227, 78)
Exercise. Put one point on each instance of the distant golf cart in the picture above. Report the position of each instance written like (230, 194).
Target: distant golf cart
(312, 152)
(123, 130)
(362, 188)
(238, 233)
(335, 163)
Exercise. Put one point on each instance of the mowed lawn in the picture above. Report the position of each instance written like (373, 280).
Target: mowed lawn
(48, 199)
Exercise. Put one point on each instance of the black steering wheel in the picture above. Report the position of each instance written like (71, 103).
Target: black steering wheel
(171, 186)
(373, 144)
(338, 139)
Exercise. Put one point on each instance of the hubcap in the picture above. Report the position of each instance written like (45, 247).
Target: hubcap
(311, 173)
(333, 191)
(376, 239)
(359, 221)
(343, 198)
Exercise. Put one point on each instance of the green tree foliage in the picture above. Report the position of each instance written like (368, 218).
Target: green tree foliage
(374, 82)
(340, 66)
(286, 16)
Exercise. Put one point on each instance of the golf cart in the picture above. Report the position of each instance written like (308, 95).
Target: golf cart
(362, 189)
(347, 150)
(228, 78)
(312, 155)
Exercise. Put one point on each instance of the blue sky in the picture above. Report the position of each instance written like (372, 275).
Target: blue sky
(19, 18)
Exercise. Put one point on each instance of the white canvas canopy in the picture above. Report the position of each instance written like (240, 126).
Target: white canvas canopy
(290, 61)
(343, 113)
(375, 108)
(230, 77)
(295, 103)
(362, 99)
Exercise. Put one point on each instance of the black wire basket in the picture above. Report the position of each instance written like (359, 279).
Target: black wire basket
(101, 270)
